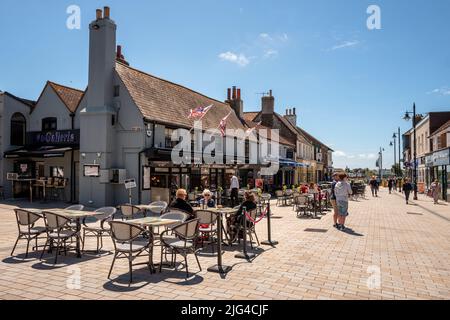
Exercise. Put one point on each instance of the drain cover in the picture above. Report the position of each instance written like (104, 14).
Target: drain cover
(316, 230)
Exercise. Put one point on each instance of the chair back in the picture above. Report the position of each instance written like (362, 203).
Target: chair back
(162, 205)
(206, 217)
(289, 192)
(187, 230)
(76, 207)
(279, 193)
(301, 200)
(174, 214)
(26, 218)
(54, 221)
(107, 215)
(128, 211)
(124, 231)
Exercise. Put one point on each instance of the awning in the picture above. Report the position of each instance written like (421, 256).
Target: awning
(291, 163)
(39, 152)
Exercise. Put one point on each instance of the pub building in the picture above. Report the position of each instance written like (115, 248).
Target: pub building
(119, 128)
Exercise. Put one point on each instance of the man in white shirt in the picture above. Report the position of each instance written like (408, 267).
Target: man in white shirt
(234, 190)
(342, 191)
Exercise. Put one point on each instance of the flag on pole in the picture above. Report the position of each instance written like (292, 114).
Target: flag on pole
(199, 112)
(250, 130)
(223, 125)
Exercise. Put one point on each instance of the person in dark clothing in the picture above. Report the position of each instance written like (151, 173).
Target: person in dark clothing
(235, 221)
(374, 185)
(390, 184)
(333, 199)
(181, 203)
(407, 188)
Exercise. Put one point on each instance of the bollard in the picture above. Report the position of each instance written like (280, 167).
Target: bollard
(245, 254)
(269, 242)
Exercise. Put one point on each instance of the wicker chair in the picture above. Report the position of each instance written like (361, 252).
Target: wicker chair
(26, 221)
(280, 197)
(207, 218)
(251, 227)
(130, 242)
(129, 211)
(98, 229)
(59, 231)
(186, 235)
(162, 207)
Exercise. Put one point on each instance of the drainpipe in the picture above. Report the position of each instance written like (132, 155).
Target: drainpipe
(72, 165)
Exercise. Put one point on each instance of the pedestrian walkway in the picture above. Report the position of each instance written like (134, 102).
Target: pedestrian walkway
(390, 251)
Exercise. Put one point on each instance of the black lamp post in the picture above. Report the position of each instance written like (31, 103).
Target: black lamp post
(381, 163)
(407, 117)
(394, 143)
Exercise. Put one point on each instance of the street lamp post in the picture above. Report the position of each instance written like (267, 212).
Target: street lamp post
(407, 117)
(381, 164)
(399, 159)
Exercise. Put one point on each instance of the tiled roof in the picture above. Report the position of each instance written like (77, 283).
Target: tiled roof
(70, 97)
(250, 116)
(163, 101)
(441, 128)
(282, 140)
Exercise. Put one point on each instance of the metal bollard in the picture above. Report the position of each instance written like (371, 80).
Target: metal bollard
(269, 242)
(244, 254)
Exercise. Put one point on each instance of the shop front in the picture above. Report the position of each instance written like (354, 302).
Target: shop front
(45, 167)
(438, 164)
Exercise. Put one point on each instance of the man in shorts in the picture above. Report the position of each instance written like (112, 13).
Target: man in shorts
(342, 191)
(333, 199)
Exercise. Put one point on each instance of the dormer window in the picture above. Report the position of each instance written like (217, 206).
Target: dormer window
(49, 124)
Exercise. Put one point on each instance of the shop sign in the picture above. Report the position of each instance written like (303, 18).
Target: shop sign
(130, 184)
(51, 138)
(441, 158)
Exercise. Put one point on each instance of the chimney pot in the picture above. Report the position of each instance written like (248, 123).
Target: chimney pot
(270, 93)
(295, 112)
(234, 93)
(239, 94)
(119, 51)
(98, 14)
(228, 94)
(106, 12)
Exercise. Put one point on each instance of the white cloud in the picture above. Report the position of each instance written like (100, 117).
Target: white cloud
(265, 36)
(340, 154)
(444, 91)
(270, 53)
(346, 44)
(239, 59)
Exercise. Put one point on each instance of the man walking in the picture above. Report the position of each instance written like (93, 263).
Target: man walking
(435, 191)
(407, 188)
(342, 191)
(234, 190)
(374, 186)
(333, 199)
(390, 184)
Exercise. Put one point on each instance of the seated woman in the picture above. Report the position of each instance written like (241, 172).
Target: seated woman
(304, 188)
(207, 200)
(235, 221)
(181, 203)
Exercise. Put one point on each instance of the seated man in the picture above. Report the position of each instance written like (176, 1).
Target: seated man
(236, 221)
(181, 203)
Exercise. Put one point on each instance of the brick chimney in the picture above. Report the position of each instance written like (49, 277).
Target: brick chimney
(268, 110)
(235, 101)
(291, 116)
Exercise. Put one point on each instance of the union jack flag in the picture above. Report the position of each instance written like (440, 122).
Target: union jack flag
(199, 112)
(223, 125)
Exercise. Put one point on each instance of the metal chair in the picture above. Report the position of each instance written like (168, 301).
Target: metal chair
(75, 207)
(58, 230)
(130, 242)
(280, 197)
(186, 235)
(301, 204)
(129, 211)
(98, 228)
(207, 218)
(251, 226)
(26, 221)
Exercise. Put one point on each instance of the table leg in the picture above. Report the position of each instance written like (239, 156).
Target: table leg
(78, 238)
(219, 268)
(31, 192)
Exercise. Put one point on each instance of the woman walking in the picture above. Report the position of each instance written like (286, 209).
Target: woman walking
(436, 191)
(407, 188)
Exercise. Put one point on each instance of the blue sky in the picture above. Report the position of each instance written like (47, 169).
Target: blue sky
(350, 85)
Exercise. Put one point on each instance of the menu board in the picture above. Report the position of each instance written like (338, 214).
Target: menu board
(91, 170)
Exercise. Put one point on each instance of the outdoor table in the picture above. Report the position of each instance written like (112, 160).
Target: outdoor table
(153, 222)
(74, 215)
(219, 268)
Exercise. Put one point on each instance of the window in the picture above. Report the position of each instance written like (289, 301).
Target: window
(168, 134)
(57, 172)
(116, 91)
(18, 129)
(49, 124)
